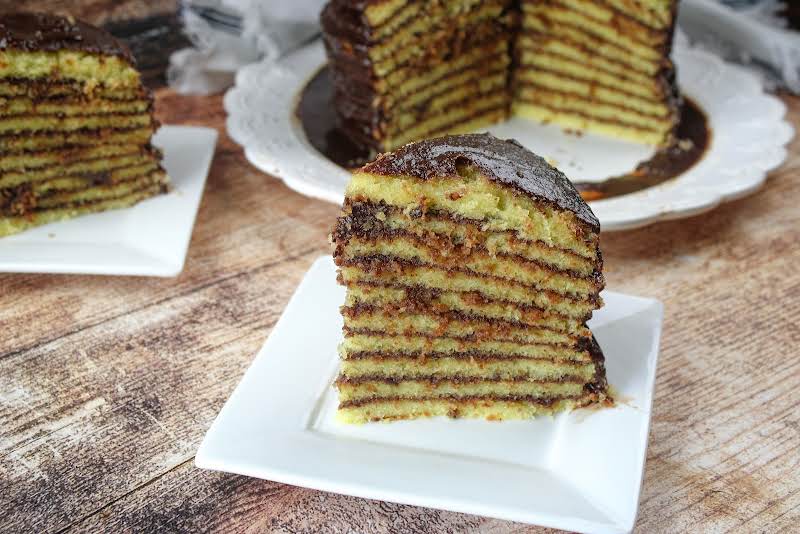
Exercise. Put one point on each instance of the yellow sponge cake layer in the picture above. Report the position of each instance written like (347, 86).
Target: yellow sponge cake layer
(561, 56)
(489, 288)
(13, 225)
(599, 14)
(556, 16)
(407, 116)
(582, 96)
(383, 343)
(384, 18)
(448, 325)
(55, 123)
(456, 236)
(657, 14)
(485, 368)
(395, 300)
(71, 65)
(481, 75)
(101, 192)
(44, 89)
(452, 116)
(71, 107)
(72, 183)
(370, 389)
(95, 166)
(33, 160)
(477, 198)
(414, 251)
(383, 13)
(550, 70)
(483, 408)
(577, 37)
(407, 80)
(413, 42)
(575, 121)
(50, 140)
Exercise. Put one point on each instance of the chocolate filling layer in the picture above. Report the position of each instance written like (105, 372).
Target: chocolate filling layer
(498, 336)
(362, 216)
(462, 355)
(455, 254)
(426, 308)
(528, 399)
(455, 379)
(379, 264)
(418, 295)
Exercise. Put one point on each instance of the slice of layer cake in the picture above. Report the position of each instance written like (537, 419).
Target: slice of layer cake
(405, 70)
(471, 268)
(75, 123)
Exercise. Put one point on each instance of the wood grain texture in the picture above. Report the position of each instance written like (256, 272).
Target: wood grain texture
(107, 385)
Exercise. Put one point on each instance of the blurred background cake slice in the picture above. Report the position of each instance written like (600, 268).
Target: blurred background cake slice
(405, 71)
(471, 268)
(75, 123)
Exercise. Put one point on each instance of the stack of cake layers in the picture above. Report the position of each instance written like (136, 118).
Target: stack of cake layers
(405, 70)
(408, 70)
(471, 268)
(75, 123)
(598, 65)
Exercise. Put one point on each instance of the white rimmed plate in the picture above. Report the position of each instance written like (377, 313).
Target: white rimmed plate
(749, 135)
(579, 471)
(149, 239)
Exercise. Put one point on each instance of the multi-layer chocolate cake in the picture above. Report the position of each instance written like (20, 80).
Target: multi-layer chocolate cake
(471, 268)
(75, 123)
(405, 70)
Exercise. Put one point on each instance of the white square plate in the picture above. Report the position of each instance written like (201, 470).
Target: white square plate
(578, 471)
(150, 238)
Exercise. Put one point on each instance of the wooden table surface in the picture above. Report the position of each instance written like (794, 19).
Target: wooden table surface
(108, 384)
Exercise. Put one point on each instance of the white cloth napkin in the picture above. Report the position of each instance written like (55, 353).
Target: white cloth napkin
(747, 32)
(229, 34)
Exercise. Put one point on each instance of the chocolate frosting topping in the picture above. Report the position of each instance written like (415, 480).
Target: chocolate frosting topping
(504, 161)
(44, 32)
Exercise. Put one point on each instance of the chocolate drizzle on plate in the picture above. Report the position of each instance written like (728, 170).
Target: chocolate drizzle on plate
(317, 117)
(693, 136)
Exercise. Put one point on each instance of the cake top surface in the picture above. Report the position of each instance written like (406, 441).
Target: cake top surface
(504, 161)
(45, 32)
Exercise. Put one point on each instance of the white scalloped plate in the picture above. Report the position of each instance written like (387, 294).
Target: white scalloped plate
(749, 135)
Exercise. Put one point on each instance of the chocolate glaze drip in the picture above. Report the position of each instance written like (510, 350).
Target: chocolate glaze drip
(322, 125)
(504, 161)
(34, 32)
(692, 138)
